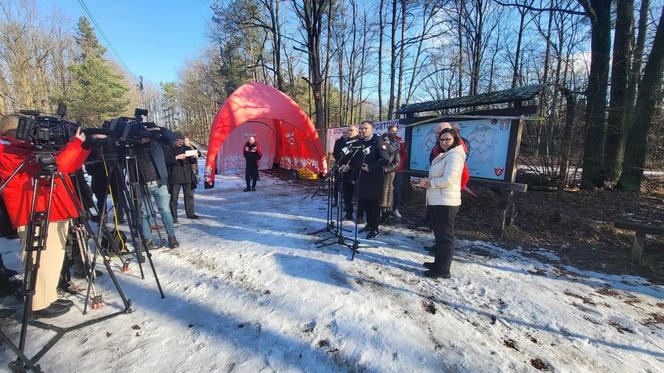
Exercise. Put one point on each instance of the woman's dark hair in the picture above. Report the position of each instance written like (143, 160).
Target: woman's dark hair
(455, 135)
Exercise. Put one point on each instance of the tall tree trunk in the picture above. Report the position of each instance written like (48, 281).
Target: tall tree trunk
(619, 78)
(566, 146)
(637, 138)
(393, 60)
(460, 14)
(593, 150)
(276, 39)
(311, 13)
(328, 47)
(381, 28)
(402, 50)
(637, 59)
(363, 59)
(517, 53)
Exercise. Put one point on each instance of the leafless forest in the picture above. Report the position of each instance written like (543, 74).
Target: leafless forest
(344, 60)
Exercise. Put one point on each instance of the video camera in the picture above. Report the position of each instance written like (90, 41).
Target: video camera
(128, 131)
(45, 132)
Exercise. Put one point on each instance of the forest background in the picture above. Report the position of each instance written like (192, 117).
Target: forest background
(345, 61)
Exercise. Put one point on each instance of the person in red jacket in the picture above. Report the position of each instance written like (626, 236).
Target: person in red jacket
(18, 197)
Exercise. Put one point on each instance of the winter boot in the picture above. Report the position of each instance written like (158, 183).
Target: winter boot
(173, 242)
(53, 310)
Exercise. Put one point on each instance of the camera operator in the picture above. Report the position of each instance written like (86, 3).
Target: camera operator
(153, 175)
(99, 182)
(369, 168)
(180, 175)
(347, 181)
(18, 197)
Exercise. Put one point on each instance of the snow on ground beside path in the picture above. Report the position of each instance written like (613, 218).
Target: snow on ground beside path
(249, 291)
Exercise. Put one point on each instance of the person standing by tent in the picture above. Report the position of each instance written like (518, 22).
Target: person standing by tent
(252, 153)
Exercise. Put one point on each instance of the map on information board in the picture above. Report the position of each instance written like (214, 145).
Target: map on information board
(487, 139)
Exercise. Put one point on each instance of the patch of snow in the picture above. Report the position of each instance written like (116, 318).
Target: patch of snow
(248, 290)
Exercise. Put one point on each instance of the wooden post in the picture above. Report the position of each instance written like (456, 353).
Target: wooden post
(637, 247)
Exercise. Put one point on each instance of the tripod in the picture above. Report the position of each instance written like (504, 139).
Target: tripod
(329, 182)
(336, 226)
(130, 198)
(34, 243)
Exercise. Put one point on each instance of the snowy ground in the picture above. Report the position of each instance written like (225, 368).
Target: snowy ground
(249, 291)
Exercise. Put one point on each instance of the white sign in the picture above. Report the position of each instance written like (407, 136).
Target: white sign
(487, 140)
(379, 128)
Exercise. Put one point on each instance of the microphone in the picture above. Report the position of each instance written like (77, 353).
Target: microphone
(352, 141)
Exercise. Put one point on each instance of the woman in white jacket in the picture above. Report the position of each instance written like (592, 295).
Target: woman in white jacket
(444, 198)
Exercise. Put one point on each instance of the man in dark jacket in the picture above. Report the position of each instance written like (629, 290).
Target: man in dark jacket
(252, 153)
(338, 154)
(368, 170)
(153, 175)
(347, 180)
(180, 175)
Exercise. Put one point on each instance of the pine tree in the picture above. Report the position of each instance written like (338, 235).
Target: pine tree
(97, 92)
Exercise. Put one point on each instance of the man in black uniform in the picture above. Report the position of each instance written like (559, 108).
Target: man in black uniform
(347, 180)
(367, 168)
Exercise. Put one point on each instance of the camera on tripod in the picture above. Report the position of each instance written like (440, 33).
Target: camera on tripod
(45, 132)
(129, 131)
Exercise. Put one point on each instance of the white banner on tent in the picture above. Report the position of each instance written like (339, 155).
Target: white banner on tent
(379, 128)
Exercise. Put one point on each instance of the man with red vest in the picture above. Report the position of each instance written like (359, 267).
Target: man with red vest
(18, 197)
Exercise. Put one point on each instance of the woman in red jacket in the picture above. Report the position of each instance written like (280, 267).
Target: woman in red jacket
(18, 197)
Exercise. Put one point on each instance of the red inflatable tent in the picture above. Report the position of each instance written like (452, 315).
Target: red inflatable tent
(296, 142)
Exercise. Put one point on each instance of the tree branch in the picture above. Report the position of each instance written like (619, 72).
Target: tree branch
(528, 7)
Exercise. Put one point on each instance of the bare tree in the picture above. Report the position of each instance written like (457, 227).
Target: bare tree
(310, 14)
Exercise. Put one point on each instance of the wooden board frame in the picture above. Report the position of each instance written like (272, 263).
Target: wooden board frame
(516, 131)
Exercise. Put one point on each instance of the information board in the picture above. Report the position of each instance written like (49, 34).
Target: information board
(487, 139)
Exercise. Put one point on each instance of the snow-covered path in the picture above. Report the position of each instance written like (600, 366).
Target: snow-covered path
(249, 291)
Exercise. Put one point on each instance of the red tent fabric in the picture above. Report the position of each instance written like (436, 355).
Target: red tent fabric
(297, 142)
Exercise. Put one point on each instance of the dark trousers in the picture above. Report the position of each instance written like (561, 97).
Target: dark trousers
(442, 223)
(188, 199)
(348, 188)
(251, 176)
(372, 208)
(99, 187)
(398, 181)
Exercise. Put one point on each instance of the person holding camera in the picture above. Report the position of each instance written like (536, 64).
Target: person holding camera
(444, 198)
(179, 159)
(252, 153)
(153, 175)
(18, 196)
(368, 171)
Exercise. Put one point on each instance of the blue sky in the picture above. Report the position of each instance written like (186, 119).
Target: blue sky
(154, 38)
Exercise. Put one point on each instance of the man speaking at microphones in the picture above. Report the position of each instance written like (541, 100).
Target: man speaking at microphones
(368, 171)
